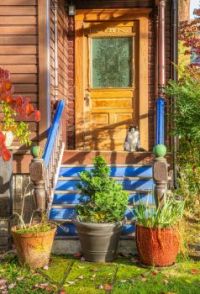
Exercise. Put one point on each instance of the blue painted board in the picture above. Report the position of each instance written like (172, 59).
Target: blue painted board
(74, 198)
(70, 213)
(140, 184)
(115, 171)
(62, 213)
(71, 198)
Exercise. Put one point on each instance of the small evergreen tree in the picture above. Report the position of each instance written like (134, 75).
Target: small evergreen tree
(107, 201)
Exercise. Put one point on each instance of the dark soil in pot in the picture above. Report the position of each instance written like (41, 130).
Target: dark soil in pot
(157, 247)
(34, 249)
(99, 242)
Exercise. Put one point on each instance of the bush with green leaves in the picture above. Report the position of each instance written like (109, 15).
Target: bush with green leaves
(165, 216)
(187, 127)
(107, 201)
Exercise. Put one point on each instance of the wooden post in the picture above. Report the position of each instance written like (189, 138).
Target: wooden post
(160, 176)
(37, 175)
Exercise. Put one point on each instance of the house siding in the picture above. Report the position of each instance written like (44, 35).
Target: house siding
(19, 47)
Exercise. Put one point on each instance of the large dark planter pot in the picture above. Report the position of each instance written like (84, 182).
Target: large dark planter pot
(34, 249)
(157, 247)
(99, 241)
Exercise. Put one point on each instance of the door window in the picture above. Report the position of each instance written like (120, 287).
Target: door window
(111, 62)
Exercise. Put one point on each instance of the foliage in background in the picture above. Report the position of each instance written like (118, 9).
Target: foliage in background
(107, 200)
(189, 34)
(164, 216)
(187, 117)
(15, 110)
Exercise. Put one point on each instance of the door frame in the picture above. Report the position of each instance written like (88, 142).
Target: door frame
(142, 88)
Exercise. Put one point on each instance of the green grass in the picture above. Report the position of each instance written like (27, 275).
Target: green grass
(122, 276)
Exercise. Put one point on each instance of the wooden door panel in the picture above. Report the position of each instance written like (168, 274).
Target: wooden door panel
(109, 98)
(109, 83)
(111, 104)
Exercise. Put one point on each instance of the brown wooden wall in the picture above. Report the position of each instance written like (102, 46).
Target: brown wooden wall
(62, 24)
(19, 46)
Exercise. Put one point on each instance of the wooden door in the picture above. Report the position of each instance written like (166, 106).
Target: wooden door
(106, 82)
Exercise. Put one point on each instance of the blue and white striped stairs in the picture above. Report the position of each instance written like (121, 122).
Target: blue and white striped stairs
(136, 179)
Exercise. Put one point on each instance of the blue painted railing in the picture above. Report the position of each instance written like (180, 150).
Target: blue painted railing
(53, 133)
(160, 121)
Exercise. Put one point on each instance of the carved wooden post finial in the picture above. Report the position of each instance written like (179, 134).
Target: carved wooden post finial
(37, 175)
(160, 174)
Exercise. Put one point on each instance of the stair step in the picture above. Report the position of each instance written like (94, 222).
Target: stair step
(115, 178)
(69, 229)
(74, 198)
(115, 171)
(140, 184)
(69, 213)
(79, 157)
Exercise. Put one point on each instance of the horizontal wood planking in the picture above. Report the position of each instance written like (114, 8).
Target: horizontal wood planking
(18, 40)
(26, 88)
(18, 50)
(24, 78)
(18, 59)
(18, 30)
(19, 55)
(18, 10)
(18, 2)
(18, 20)
(21, 68)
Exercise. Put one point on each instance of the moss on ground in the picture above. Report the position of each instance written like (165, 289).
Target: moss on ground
(124, 275)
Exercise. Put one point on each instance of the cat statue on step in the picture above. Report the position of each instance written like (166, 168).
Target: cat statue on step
(132, 141)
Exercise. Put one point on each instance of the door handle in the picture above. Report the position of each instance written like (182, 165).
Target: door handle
(87, 99)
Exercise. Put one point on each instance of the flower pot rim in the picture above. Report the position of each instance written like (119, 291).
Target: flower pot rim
(95, 224)
(32, 234)
(157, 228)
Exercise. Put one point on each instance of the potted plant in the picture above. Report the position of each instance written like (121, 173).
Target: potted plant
(33, 240)
(157, 235)
(99, 219)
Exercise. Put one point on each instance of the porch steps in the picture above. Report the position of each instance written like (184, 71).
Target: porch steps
(135, 178)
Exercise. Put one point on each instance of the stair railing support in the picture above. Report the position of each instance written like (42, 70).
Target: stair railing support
(44, 170)
(37, 175)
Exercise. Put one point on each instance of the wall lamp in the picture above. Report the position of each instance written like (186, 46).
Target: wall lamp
(71, 9)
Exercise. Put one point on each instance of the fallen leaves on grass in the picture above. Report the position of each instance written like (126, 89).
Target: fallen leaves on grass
(195, 271)
(11, 286)
(77, 255)
(106, 287)
(62, 291)
(44, 286)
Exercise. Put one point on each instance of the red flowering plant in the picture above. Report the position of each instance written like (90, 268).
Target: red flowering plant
(15, 110)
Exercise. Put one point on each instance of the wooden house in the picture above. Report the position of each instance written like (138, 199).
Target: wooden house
(107, 62)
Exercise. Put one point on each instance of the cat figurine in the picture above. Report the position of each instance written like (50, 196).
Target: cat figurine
(132, 141)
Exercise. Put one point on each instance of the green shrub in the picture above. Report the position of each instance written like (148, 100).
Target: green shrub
(163, 217)
(187, 127)
(107, 200)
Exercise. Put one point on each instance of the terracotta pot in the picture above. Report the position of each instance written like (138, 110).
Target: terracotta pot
(34, 249)
(99, 241)
(157, 247)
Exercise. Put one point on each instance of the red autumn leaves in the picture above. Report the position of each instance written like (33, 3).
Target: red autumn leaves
(4, 152)
(22, 106)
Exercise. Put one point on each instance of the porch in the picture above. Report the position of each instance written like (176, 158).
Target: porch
(95, 114)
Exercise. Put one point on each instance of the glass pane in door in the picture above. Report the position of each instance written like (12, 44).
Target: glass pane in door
(111, 62)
